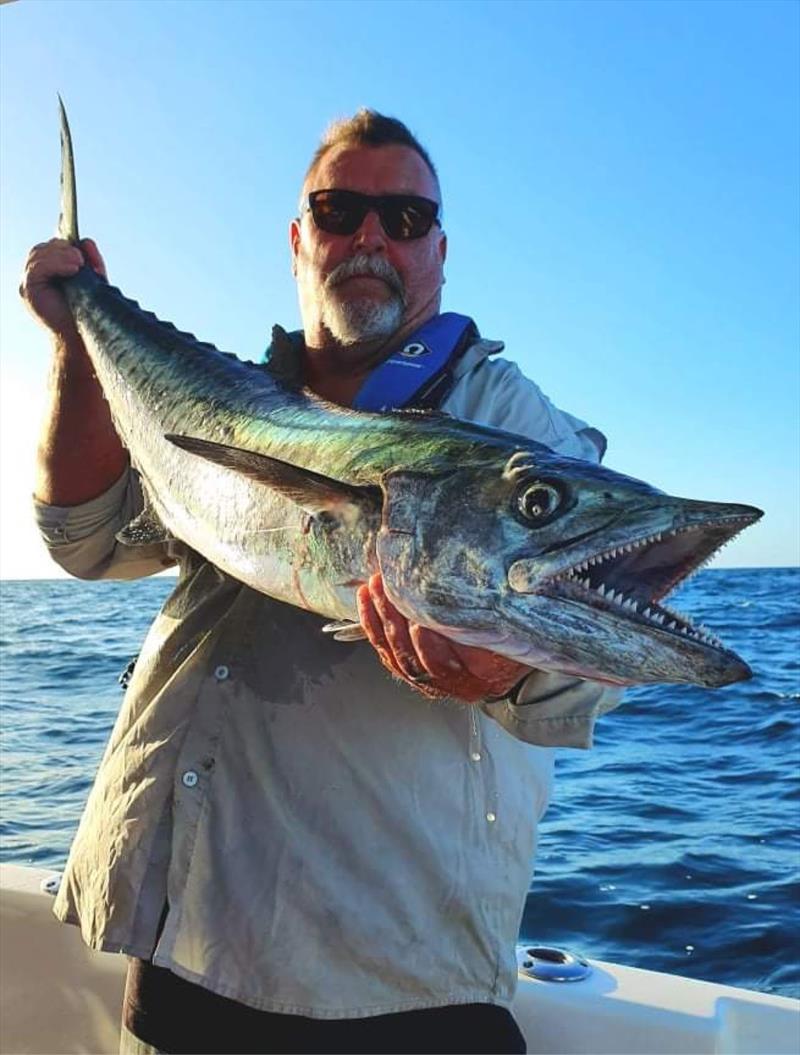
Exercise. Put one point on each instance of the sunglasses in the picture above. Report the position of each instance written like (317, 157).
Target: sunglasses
(403, 216)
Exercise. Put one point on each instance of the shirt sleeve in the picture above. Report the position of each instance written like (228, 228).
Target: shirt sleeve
(82, 539)
(546, 709)
(552, 710)
(496, 392)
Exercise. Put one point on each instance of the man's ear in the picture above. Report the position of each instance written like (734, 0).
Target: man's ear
(294, 243)
(443, 246)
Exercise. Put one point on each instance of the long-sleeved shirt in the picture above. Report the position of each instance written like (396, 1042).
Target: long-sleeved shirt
(327, 842)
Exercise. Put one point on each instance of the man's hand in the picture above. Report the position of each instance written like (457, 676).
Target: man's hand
(80, 455)
(55, 259)
(433, 664)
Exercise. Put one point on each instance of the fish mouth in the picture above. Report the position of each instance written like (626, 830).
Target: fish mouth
(631, 579)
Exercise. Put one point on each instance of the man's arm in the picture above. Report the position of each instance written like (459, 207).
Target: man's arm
(80, 455)
(83, 489)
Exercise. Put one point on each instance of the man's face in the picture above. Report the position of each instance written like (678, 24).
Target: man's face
(364, 286)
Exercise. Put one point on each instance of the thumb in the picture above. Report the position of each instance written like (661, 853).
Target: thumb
(93, 257)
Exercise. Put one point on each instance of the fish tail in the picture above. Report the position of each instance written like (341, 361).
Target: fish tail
(68, 219)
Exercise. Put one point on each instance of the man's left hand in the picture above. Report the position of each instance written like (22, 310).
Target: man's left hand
(432, 663)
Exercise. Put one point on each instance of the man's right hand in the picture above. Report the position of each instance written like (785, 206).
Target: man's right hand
(47, 261)
(80, 454)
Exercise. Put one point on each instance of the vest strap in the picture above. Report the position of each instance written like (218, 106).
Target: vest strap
(417, 373)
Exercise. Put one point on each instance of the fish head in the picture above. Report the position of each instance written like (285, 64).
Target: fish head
(558, 563)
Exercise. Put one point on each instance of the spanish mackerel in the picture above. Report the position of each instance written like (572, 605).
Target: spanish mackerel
(491, 539)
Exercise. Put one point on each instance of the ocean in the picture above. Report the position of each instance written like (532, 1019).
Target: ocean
(672, 845)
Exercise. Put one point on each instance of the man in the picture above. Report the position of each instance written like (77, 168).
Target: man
(299, 852)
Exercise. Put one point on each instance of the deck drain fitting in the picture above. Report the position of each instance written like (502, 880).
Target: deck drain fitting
(552, 965)
(51, 884)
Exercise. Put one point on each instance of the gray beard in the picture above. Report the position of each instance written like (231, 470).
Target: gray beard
(359, 321)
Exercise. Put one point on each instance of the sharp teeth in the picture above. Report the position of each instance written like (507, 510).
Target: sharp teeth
(646, 613)
(601, 590)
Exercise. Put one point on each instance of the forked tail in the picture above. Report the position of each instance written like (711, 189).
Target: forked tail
(68, 219)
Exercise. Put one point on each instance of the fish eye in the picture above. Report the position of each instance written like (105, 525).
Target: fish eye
(538, 501)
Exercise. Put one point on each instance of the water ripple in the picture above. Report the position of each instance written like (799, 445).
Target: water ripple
(671, 846)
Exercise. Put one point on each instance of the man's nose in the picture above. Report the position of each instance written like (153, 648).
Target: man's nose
(370, 237)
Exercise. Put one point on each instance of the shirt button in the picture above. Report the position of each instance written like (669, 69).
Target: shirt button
(189, 778)
(475, 756)
(221, 673)
(491, 818)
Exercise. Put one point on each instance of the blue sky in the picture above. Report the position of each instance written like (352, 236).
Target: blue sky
(621, 199)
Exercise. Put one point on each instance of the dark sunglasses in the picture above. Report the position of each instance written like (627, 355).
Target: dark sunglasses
(402, 216)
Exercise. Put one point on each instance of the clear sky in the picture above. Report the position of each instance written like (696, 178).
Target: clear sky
(621, 200)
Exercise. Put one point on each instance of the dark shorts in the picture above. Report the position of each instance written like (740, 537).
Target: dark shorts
(165, 1013)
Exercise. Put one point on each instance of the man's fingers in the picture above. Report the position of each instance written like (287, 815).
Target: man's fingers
(436, 653)
(435, 665)
(51, 260)
(396, 633)
(93, 257)
(373, 628)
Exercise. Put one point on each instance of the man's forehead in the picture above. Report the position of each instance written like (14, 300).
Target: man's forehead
(389, 169)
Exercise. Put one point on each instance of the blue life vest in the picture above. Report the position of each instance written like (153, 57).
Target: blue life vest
(420, 373)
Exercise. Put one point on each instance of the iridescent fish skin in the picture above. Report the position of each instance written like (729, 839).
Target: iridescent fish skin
(488, 537)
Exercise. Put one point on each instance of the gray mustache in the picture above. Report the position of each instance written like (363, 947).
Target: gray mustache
(363, 264)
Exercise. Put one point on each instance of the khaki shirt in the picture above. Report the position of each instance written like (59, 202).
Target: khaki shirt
(328, 841)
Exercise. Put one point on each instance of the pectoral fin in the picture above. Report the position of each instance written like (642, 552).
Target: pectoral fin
(311, 491)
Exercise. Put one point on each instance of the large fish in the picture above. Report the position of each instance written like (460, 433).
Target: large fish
(487, 537)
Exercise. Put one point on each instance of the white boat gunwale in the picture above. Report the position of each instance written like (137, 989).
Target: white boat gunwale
(56, 995)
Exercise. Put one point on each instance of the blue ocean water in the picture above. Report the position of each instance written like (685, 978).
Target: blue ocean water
(672, 845)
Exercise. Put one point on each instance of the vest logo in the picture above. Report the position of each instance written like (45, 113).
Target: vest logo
(414, 350)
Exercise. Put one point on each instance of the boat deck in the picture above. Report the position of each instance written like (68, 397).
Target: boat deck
(59, 997)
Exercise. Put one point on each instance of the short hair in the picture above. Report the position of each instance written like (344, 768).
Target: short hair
(368, 128)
